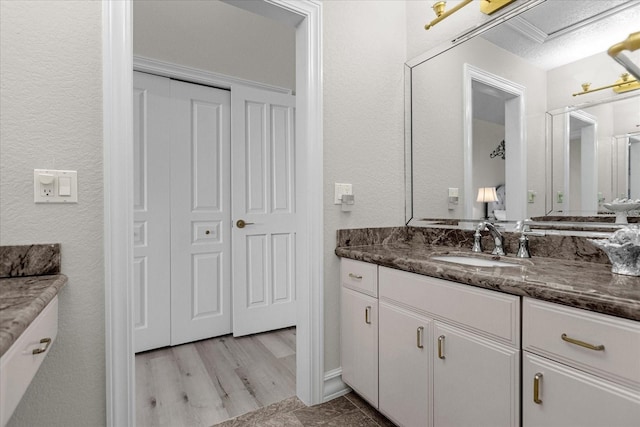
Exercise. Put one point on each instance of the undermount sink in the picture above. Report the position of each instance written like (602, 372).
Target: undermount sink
(475, 262)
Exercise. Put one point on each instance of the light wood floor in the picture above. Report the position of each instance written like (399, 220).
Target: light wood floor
(209, 381)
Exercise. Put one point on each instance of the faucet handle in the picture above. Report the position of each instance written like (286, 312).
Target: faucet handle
(523, 225)
(523, 246)
(477, 242)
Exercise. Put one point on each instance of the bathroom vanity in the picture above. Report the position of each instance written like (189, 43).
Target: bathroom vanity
(29, 287)
(541, 341)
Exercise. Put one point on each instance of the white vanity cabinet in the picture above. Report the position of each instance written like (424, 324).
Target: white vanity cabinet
(405, 368)
(579, 368)
(22, 360)
(475, 380)
(449, 353)
(359, 323)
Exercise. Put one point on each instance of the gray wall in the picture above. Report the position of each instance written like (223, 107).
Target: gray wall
(364, 52)
(215, 36)
(51, 117)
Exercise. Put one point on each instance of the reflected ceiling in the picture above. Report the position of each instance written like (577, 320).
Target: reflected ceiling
(580, 29)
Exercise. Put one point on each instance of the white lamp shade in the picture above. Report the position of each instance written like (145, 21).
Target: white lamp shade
(487, 194)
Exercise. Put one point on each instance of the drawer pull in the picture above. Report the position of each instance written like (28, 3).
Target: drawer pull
(355, 276)
(582, 343)
(441, 347)
(536, 388)
(46, 342)
(419, 337)
(367, 315)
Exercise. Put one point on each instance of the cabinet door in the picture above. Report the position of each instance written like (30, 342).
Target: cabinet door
(476, 381)
(359, 343)
(405, 347)
(568, 397)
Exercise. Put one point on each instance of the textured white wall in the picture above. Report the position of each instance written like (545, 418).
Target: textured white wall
(437, 128)
(599, 69)
(364, 52)
(215, 36)
(51, 117)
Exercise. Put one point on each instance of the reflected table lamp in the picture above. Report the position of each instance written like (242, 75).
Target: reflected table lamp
(487, 195)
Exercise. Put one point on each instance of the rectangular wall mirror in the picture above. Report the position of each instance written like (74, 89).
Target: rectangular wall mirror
(502, 106)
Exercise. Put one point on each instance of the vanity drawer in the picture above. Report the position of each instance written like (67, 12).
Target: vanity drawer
(359, 276)
(545, 324)
(490, 313)
(19, 365)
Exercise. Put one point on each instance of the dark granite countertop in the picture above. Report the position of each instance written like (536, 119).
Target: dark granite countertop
(21, 301)
(580, 284)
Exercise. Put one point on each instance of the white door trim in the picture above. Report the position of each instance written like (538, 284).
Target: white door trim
(515, 136)
(592, 154)
(118, 203)
(196, 75)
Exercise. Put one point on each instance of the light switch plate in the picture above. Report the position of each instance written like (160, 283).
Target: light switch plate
(47, 188)
(341, 189)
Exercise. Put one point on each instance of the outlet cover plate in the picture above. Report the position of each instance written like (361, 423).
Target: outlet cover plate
(341, 189)
(48, 193)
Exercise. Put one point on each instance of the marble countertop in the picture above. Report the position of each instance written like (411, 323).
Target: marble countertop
(579, 284)
(21, 301)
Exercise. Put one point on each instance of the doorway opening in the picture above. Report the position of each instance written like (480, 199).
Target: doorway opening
(581, 159)
(117, 90)
(494, 143)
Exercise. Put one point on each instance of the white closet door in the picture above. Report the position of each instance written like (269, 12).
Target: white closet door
(151, 108)
(200, 213)
(264, 251)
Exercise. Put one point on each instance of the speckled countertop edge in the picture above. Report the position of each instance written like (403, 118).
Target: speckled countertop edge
(22, 299)
(578, 284)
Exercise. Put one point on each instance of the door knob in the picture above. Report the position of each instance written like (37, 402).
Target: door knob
(241, 223)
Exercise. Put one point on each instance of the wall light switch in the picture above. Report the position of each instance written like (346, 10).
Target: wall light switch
(55, 186)
(531, 196)
(64, 186)
(340, 190)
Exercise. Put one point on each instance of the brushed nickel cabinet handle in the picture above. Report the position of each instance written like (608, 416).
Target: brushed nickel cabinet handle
(582, 343)
(367, 315)
(536, 388)
(46, 342)
(355, 276)
(419, 337)
(441, 347)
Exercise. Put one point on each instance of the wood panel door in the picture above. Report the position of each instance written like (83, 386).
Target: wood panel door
(151, 211)
(200, 212)
(264, 250)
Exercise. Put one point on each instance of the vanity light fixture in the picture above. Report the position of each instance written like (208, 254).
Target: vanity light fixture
(487, 195)
(631, 43)
(487, 7)
(625, 83)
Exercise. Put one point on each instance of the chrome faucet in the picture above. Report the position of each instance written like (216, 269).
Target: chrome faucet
(523, 242)
(495, 233)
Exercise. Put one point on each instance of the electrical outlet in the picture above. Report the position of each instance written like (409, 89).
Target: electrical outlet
(340, 190)
(55, 186)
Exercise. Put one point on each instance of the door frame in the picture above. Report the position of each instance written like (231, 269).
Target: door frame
(117, 44)
(591, 160)
(515, 137)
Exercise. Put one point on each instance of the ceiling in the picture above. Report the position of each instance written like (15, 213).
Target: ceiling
(558, 32)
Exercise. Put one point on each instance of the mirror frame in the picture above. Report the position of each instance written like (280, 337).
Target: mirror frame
(410, 220)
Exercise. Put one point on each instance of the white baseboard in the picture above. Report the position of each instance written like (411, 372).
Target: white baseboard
(333, 385)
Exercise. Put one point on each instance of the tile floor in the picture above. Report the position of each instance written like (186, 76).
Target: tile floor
(345, 411)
